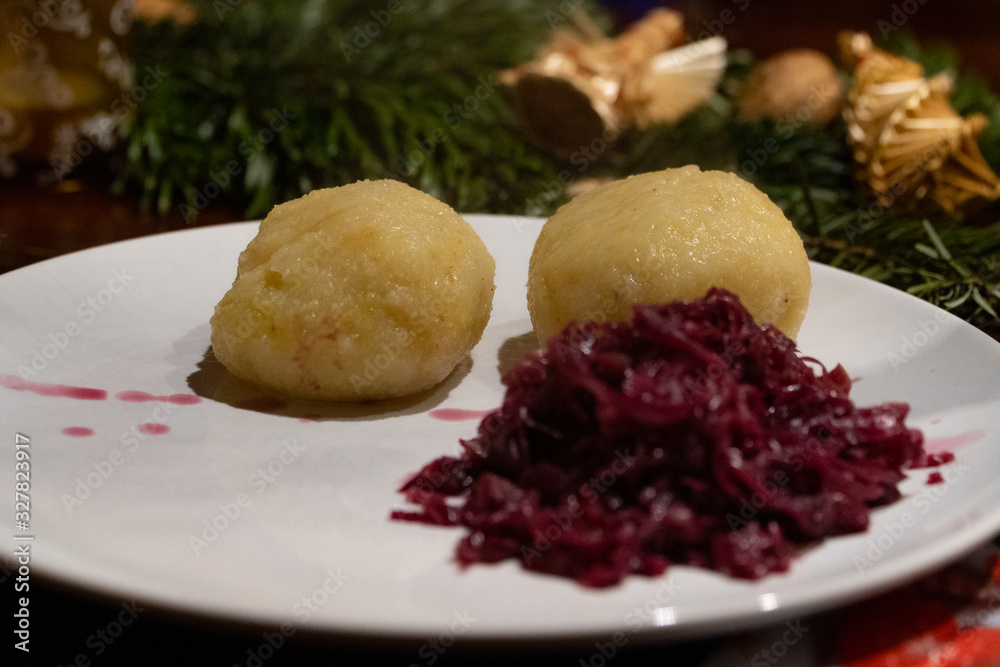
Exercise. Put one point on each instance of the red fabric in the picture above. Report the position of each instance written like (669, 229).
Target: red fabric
(951, 619)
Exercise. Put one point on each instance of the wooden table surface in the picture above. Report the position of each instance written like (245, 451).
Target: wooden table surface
(38, 222)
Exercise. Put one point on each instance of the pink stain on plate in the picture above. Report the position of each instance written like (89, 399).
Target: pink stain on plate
(457, 414)
(950, 443)
(18, 383)
(144, 397)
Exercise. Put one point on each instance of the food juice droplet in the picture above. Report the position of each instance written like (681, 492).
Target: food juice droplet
(18, 383)
(457, 414)
(950, 443)
(145, 397)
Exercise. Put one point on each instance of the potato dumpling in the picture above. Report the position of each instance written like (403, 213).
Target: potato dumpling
(367, 291)
(667, 236)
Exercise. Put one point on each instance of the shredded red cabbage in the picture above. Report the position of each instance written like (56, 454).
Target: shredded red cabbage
(690, 435)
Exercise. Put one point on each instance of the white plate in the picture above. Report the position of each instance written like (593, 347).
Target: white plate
(300, 507)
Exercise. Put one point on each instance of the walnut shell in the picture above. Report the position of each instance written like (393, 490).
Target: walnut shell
(796, 85)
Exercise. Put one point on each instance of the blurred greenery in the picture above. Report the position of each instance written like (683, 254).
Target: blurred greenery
(262, 101)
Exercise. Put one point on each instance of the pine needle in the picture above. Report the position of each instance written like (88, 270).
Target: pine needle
(264, 101)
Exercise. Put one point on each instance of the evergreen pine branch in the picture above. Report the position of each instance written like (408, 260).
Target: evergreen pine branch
(417, 101)
(412, 95)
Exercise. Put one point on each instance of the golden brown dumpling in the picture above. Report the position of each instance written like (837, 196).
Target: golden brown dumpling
(667, 236)
(366, 291)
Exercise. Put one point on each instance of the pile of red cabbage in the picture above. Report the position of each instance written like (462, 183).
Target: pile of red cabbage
(690, 435)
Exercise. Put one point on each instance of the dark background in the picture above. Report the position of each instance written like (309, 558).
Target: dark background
(37, 223)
